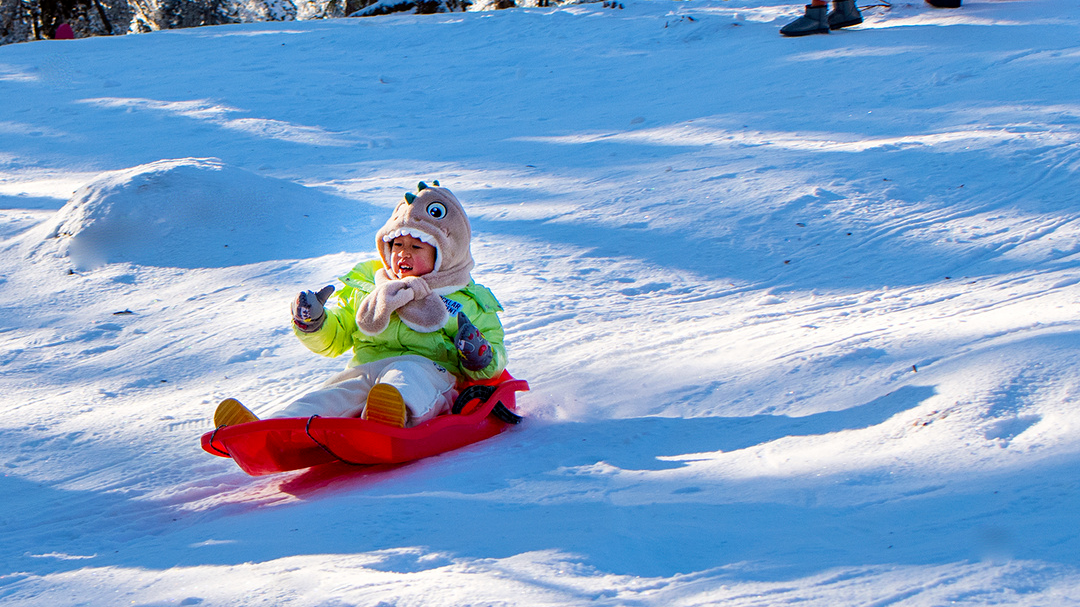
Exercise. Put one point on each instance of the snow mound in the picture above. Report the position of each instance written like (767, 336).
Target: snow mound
(199, 212)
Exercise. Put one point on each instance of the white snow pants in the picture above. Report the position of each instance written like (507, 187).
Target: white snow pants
(426, 387)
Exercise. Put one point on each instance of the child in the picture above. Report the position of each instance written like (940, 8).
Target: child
(406, 318)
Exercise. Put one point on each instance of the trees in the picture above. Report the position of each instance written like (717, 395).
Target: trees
(38, 19)
(24, 20)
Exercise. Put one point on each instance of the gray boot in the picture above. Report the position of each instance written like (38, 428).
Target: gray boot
(813, 22)
(844, 14)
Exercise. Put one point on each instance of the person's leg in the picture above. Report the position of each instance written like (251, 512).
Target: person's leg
(343, 395)
(844, 14)
(815, 21)
(342, 399)
(426, 389)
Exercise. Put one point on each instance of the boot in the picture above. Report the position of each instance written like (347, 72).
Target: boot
(230, 413)
(813, 22)
(844, 14)
(385, 405)
(944, 3)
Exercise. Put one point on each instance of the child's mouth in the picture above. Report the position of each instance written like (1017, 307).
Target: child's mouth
(404, 267)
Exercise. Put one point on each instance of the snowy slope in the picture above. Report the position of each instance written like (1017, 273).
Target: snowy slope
(799, 315)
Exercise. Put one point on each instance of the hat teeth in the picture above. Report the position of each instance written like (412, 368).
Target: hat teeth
(417, 234)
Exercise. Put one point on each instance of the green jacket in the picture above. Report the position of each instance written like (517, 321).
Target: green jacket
(339, 333)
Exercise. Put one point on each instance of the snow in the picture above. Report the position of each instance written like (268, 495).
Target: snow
(184, 213)
(798, 315)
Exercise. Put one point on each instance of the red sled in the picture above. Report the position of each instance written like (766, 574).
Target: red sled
(267, 446)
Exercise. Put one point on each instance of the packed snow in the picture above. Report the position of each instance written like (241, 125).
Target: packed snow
(799, 316)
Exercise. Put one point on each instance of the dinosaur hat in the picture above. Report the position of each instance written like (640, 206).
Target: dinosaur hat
(436, 217)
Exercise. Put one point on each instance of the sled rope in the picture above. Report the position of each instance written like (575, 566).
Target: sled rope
(307, 430)
(213, 436)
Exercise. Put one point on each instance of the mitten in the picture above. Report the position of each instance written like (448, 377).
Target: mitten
(418, 286)
(307, 309)
(475, 351)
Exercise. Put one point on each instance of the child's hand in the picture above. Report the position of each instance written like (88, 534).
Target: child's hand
(307, 309)
(397, 293)
(418, 286)
(475, 351)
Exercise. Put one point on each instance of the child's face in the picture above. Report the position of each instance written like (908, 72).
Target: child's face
(411, 257)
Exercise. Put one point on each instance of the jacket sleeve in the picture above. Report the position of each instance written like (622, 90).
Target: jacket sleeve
(335, 337)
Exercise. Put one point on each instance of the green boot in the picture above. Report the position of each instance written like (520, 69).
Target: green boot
(813, 22)
(844, 14)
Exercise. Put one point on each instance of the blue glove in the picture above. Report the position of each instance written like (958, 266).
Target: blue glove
(475, 351)
(307, 309)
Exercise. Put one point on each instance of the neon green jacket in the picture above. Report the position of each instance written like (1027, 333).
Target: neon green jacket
(339, 333)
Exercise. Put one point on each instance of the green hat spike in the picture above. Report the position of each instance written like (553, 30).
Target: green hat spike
(410, 197)
(436, 182)
(420, 187)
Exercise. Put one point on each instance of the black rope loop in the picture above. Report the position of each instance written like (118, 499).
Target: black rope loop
(212, 436)
(307, 430)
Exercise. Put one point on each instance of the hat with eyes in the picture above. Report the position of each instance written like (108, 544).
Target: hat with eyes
(435, 216)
